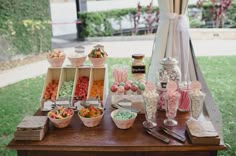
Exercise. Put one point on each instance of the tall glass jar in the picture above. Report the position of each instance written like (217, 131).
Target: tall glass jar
(138, 68)
(169, 68)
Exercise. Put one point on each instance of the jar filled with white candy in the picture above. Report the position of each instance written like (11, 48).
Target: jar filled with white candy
(150, 97)
(197, 99)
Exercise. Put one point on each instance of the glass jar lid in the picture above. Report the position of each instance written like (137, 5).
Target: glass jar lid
(168, 61)
(138, 56)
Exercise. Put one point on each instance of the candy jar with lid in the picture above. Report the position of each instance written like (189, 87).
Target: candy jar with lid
(169, 68)
(138, 67)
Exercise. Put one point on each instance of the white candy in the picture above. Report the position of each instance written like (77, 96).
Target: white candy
(151, 98)
(197, 98)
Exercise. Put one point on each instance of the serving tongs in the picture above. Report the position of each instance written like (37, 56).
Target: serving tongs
(117, 106)
(173, 134)
(158, 135)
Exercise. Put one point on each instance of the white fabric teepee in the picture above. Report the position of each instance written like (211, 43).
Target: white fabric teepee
(173, 40)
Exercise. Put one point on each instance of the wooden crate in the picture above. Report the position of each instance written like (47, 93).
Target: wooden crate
(71, 73)
(52, 74)
(32, 128)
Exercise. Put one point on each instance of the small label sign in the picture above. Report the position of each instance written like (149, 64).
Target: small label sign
(138, 70)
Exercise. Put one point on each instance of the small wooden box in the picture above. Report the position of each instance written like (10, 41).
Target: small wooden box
(32, 128)
(202, 132)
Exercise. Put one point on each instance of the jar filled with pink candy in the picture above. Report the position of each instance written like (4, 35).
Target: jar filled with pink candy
(184, 101)
(171, 103)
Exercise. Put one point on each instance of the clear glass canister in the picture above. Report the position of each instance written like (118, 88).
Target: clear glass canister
(138, 67)
(169, 68)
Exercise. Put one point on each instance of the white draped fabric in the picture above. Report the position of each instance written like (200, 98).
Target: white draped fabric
(172, 39)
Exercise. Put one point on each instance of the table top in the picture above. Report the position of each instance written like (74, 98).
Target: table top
(107, 137)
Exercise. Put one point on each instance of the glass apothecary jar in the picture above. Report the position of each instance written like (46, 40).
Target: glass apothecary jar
(169, 69)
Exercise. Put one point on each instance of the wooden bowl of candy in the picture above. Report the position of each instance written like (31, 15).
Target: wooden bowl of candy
(97, 57)
(91, 116)
(56, 58)
(61, 116)
(123, 119)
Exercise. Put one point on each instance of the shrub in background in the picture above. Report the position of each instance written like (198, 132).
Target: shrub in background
(101, 23)
(24, 25)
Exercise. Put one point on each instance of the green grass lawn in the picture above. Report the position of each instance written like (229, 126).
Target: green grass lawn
(22, 98)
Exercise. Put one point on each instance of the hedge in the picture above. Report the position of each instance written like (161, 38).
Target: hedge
(99, 23)
(24, 26)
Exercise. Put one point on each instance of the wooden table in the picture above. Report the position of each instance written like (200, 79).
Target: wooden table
(107, 139)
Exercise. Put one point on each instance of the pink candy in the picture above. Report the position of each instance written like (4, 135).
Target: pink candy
(172, 101)
(184, 102)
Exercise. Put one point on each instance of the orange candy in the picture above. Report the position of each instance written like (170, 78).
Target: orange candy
(97, 89)
(51, 91)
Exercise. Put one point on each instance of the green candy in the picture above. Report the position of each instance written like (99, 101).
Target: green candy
(123, 115)
(66, 89)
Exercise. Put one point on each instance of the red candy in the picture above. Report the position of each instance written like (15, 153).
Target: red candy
(81, 89)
